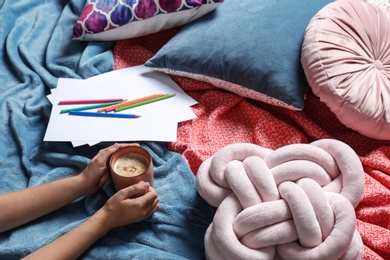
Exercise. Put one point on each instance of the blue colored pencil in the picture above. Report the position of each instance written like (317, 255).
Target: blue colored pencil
(99, 114)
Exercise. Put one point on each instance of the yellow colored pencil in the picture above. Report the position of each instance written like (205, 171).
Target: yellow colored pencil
(145, 102)
(128, 102)
(103, 109)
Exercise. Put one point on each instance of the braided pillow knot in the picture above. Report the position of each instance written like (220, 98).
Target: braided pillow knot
(296, 202)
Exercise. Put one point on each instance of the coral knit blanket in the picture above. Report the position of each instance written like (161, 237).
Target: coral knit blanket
(224, 118)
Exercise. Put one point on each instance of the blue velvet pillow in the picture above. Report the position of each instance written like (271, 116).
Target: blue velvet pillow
(249, 47)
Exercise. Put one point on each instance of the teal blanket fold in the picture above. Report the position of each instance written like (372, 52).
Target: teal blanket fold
(36, 50)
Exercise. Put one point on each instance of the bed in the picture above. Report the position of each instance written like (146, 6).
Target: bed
(37, 49)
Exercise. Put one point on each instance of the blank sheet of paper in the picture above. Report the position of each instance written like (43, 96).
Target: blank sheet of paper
(158, 121)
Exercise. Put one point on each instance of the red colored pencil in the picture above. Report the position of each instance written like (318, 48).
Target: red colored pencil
(89, 101)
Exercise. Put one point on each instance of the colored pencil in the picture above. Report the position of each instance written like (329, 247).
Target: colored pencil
(127, 103)
(145, 102)
(88, 107)
(88, 101)
(99, 114)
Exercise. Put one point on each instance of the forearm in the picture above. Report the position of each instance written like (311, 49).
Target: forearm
(118, 211)
(74, 243)
(22, 206)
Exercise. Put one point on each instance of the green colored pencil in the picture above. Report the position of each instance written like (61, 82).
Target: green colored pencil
(89, 107)
(144, 102)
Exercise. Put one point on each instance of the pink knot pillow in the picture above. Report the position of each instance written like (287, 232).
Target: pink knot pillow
(296, 202)
(346, 59)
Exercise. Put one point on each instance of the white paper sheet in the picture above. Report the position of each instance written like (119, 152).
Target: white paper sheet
(158, 121)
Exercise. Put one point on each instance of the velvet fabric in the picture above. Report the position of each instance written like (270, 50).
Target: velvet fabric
(249, 47)
(296, 202)
(346, 58)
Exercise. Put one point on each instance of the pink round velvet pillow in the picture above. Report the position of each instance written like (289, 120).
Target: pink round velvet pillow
(346, 59)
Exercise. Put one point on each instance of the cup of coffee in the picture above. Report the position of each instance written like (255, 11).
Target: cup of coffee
(131, 165)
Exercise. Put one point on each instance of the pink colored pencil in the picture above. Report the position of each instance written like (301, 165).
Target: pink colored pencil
(88, 101)
(127, 103)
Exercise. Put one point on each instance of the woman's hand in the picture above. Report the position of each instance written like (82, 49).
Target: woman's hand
(22, 206)
(129, 205)
(95, 175)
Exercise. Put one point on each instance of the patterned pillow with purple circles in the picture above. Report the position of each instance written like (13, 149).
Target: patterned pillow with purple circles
(107, 20)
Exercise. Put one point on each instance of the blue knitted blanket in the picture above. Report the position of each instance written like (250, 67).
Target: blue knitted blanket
(36, 50)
